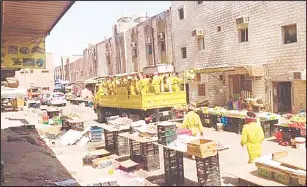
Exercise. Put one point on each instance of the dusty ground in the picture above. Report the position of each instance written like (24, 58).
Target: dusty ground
(27, 164)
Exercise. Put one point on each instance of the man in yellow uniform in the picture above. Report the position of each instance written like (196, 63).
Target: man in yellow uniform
(252, 136)
(192, 122)
(145, 85)
(175, 82)
(109, 86)
(156, 82)
(137, 84)
(131, 85)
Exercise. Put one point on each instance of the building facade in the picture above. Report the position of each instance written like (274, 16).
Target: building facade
(43, 78)
(251, 37)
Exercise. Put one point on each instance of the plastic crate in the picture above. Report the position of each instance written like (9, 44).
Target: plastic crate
(281, 177)
(173, 167)
(208, 171)
(265, 172)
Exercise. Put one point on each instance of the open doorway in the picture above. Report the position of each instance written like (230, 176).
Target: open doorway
(282, 97)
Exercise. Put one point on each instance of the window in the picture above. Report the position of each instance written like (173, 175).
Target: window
(218, 28)
(162, 46)
(201, 90)
(199, 2)
(183, 52)
(134, 53)
(289, 34)
(201, 43)
(149, 49)
(181, 13)
(243, 35)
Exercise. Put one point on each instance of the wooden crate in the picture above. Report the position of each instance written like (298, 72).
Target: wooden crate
(202, 148)
(265, 172)
(282, 177)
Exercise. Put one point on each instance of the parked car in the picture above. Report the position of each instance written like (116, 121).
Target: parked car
(57, 98)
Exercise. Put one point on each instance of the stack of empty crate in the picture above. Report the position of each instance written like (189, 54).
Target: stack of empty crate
(96, 134)
(167, 133)
(173, 167)
(150, 154)
(208, 171)
(122, 146)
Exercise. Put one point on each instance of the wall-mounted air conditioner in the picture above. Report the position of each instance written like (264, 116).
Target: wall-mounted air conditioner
(242, 20)
(161, 36)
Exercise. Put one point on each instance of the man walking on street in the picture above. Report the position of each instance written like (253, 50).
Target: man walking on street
(252, 136)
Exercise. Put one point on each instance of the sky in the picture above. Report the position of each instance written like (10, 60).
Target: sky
(91, 21)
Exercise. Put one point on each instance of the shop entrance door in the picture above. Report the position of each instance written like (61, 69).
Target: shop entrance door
(282, 97)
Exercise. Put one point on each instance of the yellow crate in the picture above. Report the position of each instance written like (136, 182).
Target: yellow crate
(202, 148)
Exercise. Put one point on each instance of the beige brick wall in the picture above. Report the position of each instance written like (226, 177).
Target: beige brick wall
(265, 41)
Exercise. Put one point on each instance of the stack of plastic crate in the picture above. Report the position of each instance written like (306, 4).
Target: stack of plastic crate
(96, 134)
(122, 146)
(208, 171)
(173, 167)
(150, 153)
(167, 133)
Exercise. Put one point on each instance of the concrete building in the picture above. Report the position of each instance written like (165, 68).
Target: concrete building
(43, 78)
(68, 68)
(264, 42)
(105, 58)
(58, 73)
(143, 41)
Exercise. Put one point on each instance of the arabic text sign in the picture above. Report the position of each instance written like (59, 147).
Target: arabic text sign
(30, 54)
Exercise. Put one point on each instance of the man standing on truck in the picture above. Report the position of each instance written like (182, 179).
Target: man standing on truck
(156, 82)
(145, 85)
(175, 82)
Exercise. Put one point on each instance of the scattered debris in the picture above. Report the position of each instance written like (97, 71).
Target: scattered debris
(68, 182)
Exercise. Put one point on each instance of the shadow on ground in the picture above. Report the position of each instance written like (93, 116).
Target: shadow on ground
(160, 181)
(230, 181)
(28, 161)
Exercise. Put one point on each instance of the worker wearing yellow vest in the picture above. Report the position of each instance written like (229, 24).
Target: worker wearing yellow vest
(252, 136)
(144, 83)
(175, 82)
(137, 84)
(131, 85)
(156, 82)
(192, 122)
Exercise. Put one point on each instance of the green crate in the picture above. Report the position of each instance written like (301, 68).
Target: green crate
(282, 178)
(264, 172)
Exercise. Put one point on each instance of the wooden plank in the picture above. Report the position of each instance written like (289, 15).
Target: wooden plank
(295, 159)
(138, 138)
(278, 155)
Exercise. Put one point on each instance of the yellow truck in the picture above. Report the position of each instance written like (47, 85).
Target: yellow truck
(140, 105)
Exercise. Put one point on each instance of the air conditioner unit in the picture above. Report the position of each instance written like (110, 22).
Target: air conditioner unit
(199, 32)
(161, 36)
(242, 20)
(133, 44)
(297, 75)
(148, 41)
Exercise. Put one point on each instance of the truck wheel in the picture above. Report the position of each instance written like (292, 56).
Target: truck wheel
(101, 115)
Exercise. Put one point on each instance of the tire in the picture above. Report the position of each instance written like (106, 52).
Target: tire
(64, 105)
(101, 115)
